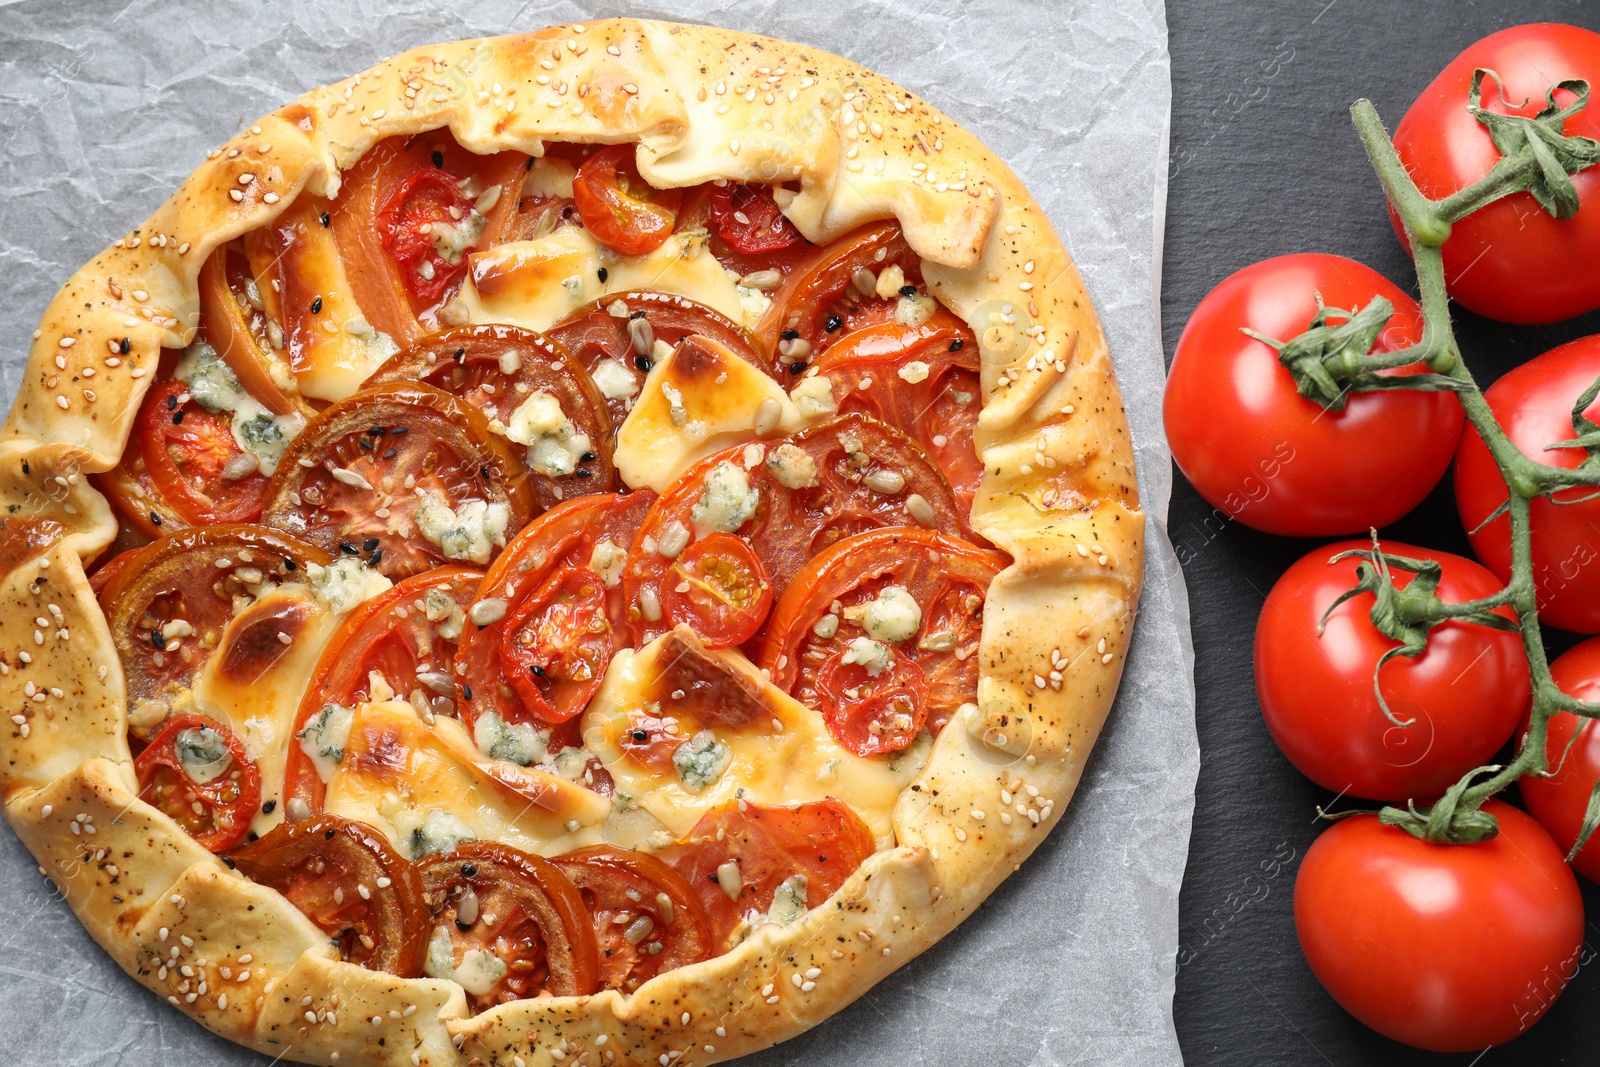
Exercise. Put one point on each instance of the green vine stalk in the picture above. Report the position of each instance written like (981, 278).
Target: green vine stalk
(1330, 360)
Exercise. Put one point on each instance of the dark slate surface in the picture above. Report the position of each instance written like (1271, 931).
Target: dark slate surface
(1265, 162)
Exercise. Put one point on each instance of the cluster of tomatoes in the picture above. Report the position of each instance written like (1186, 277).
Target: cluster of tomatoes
(1450, 947)
(534, 577)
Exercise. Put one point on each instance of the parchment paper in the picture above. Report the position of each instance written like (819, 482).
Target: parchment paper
(104, 107)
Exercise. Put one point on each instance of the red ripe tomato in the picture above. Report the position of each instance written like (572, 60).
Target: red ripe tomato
(1512, 260)
(191, 456)
(719, 588)
(197, 772)
(426, 200)
(1534, 406)
(747, 219)
(1559, 801)
(1463, 696)
(623, 211)
(1451, 948)
(1266, 456)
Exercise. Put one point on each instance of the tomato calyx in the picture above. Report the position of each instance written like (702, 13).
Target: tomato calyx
(1329, 360)
(1407, 614)
(1454, 819)
(1547, 156)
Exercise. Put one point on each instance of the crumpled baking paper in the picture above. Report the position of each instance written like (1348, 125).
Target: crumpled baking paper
(105, 106)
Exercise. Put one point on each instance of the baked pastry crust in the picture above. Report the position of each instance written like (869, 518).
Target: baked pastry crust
(1058, 494)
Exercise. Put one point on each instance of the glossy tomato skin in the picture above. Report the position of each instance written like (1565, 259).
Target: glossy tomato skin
(1451, 948)
(1465, 694)
(1511, 260)
(1266, 456)
(1533, 404)
(1559, 801)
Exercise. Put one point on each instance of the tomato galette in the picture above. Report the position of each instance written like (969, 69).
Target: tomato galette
(590, 547)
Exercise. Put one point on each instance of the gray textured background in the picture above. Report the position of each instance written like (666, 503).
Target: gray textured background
(104, 107)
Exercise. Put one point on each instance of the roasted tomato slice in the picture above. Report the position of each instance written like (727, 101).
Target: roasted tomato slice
(406, 217)
(168, 606)
(507, 926)
(923, 379)
(103, 575)
(718, 587)
(403, 640)
(532, 392)
(535, 612)
(604, 337)
(623, 211)
(647, 918)
(348, 880)
(405, 476)
(234, 321)
(197, 772)
(746, 861)
(747, 219)
(903, 595)
(841, 477)
(136, 497)
(193, 460)
(833, 293)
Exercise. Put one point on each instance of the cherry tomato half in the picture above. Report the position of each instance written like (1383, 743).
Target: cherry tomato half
(1511, 260)
(1274, 460)
(196, 771)
(1533, 404)
(1462, 697)
(1451, 948)
(719, 588)
(623, 211)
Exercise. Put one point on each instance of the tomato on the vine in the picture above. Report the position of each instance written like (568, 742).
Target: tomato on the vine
(1572, 751)
(1510, 260)
(1451, 948)
(1461, 698)
(1533, 404)
(1265, 455)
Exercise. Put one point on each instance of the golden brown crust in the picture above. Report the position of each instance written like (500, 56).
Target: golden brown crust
(1058, 494)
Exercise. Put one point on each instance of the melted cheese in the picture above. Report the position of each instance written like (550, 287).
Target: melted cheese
(259, 705)
(785, 757)
(696, 401)
(335, 349)
(396, 770)
(537, 283)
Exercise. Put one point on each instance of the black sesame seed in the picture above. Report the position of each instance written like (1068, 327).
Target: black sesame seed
(289, 565)
(390, 453)
(602, 274)
(714, 878)
(154, 518)
(172, 401)
(125, 346)
(329, 834)
(25, 469)
(485, 472)
(229, 862)
(364, 443)
(636, 315)
(469, 870)
(438, 159)
(790, 335)
(376, 558)
(461, 354)
(376, 431)
(641, 735)
(316, 306)
(325, 219)
(797, 366)
(177, 417)
(584, 472)
(268, 807)
(538, 671)
(957, 345)
(588, 457)
(253, 836)
(349, 550)
(644, 363)
(466, 691)
(834, 323)
(158, 639)
(908, 290)
(369, 544)
(397, 430)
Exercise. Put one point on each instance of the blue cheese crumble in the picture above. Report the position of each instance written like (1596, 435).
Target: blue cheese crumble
(727, 501)
(470, 532)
